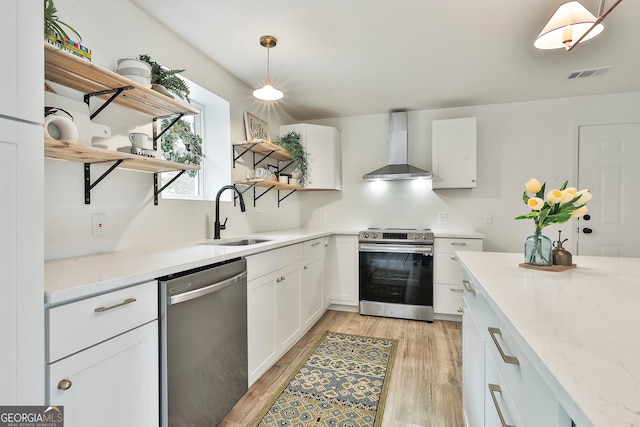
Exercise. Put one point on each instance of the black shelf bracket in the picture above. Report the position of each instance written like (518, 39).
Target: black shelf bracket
(88, 186)
(256, 197)
(287, 195)
(116, 92)
(156, 185)
(157, 136)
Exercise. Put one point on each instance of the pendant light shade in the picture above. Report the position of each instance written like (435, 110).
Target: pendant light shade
(268, 92)
(572, 23)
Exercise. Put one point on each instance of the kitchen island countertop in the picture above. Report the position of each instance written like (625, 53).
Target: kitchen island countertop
(581, 328)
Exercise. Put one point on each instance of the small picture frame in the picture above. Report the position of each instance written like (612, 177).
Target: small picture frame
(255, 128)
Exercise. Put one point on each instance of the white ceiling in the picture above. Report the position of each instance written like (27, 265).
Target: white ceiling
(338, 58)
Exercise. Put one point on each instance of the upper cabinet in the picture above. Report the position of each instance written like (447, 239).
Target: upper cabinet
(322, 144)
(454, 153)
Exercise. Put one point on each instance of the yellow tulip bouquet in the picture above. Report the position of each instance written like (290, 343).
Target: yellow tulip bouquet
(555, 207)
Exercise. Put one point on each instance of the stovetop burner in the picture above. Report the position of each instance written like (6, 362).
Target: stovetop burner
(396, 235)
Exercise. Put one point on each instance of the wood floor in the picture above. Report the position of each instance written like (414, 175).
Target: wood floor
(425, 388)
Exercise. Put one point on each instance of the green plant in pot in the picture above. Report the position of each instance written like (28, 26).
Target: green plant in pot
(181, 145)
(291, 143)
(167, 78)
(53, 25)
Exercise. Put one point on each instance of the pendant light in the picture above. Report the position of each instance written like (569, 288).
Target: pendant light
(268, 92)
(572, 23)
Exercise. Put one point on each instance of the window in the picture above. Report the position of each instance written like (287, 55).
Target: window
(213, 126)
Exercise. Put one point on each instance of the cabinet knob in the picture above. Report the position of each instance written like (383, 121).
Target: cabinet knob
(460, 310)
(64, 385)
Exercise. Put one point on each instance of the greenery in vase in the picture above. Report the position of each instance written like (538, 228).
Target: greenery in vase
(53, 24)
(291, 143)
(555, 207)
(165, 77)
(181, 145)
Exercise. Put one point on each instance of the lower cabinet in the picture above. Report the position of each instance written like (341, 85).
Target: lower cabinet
(102, 355)
(342, 256)
(500, 386)
(312, 285)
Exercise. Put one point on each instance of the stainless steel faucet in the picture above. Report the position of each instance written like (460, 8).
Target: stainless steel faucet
(216, 225)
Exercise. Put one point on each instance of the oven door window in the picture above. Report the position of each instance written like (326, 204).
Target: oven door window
(400, 278)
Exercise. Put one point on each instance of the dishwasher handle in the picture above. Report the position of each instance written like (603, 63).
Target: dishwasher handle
(196, 293)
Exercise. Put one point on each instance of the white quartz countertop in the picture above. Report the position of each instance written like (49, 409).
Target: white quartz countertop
(73, 278)
(581, 327)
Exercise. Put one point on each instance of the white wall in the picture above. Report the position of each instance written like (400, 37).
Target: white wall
(515, 142)
(117, 29)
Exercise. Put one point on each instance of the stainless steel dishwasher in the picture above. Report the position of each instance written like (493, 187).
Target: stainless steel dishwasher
(203, 343)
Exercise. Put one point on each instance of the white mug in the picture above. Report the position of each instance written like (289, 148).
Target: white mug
(139, 139)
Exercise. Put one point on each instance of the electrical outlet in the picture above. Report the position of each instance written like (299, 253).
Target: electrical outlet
(488, 218)
(443, 216)
(98, 221)
(259, 219)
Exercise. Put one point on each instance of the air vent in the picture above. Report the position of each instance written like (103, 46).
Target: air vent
(587, 73)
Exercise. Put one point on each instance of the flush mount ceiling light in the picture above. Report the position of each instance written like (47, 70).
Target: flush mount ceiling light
(268, 92)
(572, 23)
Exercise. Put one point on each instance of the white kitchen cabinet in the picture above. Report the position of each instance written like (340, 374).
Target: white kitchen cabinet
(473, 381)
(273, 306)
(105, 349)
(322, 144)
(454, 153)
(22, 200)
(312, 285)
(326, 275)
(448, 274)
(343, 259)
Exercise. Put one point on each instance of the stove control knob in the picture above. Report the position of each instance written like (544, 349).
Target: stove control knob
(366, 235)
(375, 235)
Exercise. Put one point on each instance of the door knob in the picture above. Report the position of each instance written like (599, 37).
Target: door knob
(64, 385)
(587, 230)
(586, 217)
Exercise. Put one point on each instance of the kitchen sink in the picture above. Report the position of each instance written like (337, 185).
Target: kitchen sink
(240, 242)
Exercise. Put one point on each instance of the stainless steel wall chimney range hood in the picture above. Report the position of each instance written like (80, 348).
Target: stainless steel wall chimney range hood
(398, 167)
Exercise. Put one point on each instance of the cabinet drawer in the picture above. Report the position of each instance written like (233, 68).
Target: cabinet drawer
(452, 245)
(313, 248)
(475, 302)
(535, 402)
(447, 269)
(267, 262)
(81, 324)
(498, 400)
(447, 299)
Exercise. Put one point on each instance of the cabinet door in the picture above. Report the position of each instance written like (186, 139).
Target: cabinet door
(312, 303)
(288, 323)
(343, 253)
(114, 383)
(454, 153)
(327, 271)
(472, 370)
(261, 321)
(498, 402)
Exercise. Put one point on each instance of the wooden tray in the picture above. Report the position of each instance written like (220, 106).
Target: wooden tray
(547, 267)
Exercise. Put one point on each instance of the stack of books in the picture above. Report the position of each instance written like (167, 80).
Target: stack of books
(69, 46)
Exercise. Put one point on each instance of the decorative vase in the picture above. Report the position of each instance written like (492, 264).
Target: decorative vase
(537, 249)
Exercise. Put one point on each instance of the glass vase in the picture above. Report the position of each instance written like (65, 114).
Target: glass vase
(538, 249)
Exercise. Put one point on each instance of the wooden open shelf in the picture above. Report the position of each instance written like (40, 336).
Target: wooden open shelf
(69, 70)
(263, 147)
(85, 154)
(267, 183)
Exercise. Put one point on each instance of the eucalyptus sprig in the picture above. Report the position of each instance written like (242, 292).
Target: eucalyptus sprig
(291, 143)
(556, 207)
(181, 145)
(53, 24)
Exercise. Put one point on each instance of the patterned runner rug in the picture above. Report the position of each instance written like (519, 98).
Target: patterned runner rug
(343, 383)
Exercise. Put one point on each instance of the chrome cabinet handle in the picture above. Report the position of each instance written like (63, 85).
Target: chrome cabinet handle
(315, 244)
(64, 385)
(454, 258)
(458, 244)
(306, 267)
(460, 310)
(507, 359)
(456, 290)
(125, 302)
(280, 279)
(493, 389)
(467, 286)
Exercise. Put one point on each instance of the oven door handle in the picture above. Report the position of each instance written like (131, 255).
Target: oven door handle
(402, 249)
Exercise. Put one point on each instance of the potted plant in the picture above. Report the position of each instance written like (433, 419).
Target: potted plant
(53, 25)
(291, 143)
(181, 145)
(167, 79)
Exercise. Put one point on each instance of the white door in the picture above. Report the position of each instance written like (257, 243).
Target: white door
(608, 165)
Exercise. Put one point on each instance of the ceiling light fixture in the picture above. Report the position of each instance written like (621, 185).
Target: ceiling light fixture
(268, 92)
(572, 23)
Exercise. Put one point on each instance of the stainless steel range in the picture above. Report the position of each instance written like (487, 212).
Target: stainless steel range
(396, 273)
